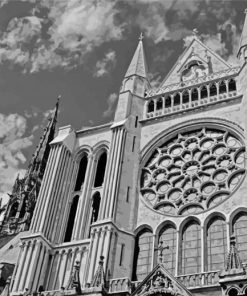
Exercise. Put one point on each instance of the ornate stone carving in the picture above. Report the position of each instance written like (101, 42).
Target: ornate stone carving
(193, 171)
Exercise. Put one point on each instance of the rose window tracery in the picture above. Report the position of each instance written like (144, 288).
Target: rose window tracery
(193, 171)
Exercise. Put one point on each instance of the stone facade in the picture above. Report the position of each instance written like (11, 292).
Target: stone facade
(147, 204)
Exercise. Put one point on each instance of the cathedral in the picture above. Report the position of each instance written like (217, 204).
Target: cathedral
(153, 203)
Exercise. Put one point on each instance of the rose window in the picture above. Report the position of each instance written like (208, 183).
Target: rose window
(193, 171)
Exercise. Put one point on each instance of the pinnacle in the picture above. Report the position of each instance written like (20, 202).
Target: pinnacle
(138, 63)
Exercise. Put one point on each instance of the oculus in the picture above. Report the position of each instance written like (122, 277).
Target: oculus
(193, 171)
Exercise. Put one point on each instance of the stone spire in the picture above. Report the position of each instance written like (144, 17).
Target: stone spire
(233, 259)
(138, 64)
(6, 291)
(99, 277)
(25, 191)
(243, 40)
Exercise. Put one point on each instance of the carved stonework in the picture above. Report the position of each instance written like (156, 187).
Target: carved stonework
(160, 282)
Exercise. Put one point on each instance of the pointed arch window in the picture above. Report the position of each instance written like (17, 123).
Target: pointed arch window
(176, 99)
(81, 172)
(168, 237)
(204, 92)
(143, 255)
(100, 170)
(194, 94)
(191, 249)
(216, 244)
(186, 97)
(168, 102)
(71, 219)
(222, 87)
(232, 85)
(151, 106)
(240, 232)
(213, 90)
(159, 104)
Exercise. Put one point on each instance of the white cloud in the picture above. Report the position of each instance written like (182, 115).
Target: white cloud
(12, 143)
(112, 99)
(62, 38)
(105, 65)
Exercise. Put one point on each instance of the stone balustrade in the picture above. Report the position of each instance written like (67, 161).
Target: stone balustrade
(191, 98)
(120, 285)
(197, 280)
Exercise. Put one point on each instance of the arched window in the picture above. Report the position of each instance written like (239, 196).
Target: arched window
(71, 220)
(151, 106)
(194, 95)
(185, 97)
(81, 173)
(216, 244)
(100, 171)
(222, 87)
(191, 249)
(233, 292)
(168, 102)
(159, 104)
(213, 90)
(240, 232)
(176, 99)
(168, 238)
(95, 207)
(143, 255)
(204, 92)
(13, 209)
(232, 85)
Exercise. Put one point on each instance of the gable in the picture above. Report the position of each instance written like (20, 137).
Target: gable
(197, 60)
(162, 282)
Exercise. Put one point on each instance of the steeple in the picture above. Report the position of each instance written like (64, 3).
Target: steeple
(25, 191)
(138, 64)
(242, 53)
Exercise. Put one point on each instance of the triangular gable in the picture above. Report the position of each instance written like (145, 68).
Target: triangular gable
(197, 60)
(162, 282)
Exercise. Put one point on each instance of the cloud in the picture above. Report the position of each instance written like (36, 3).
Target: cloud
(112, 99)
(104, 66)
(62, 35)
(12, 143)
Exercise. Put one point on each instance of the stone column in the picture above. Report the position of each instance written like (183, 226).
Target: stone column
(23, 255)
(177, 255)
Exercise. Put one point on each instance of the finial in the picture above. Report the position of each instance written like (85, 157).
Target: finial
(141, 36)
(195, 32)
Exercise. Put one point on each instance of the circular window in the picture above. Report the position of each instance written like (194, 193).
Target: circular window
(193, 171)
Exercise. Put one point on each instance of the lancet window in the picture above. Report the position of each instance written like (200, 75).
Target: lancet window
(81, 172)
(191, 249)
(216, 240)
(95, 206)
(100, 170)
(167, 244)
(71, 219)
(143, 255)
(240, 232)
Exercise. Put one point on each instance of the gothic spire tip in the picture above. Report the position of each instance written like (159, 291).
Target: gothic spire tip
(141, 37)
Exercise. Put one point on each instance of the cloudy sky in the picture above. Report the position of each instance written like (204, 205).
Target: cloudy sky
(81, 49)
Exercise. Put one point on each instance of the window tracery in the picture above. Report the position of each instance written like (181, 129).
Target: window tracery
(193, 171)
